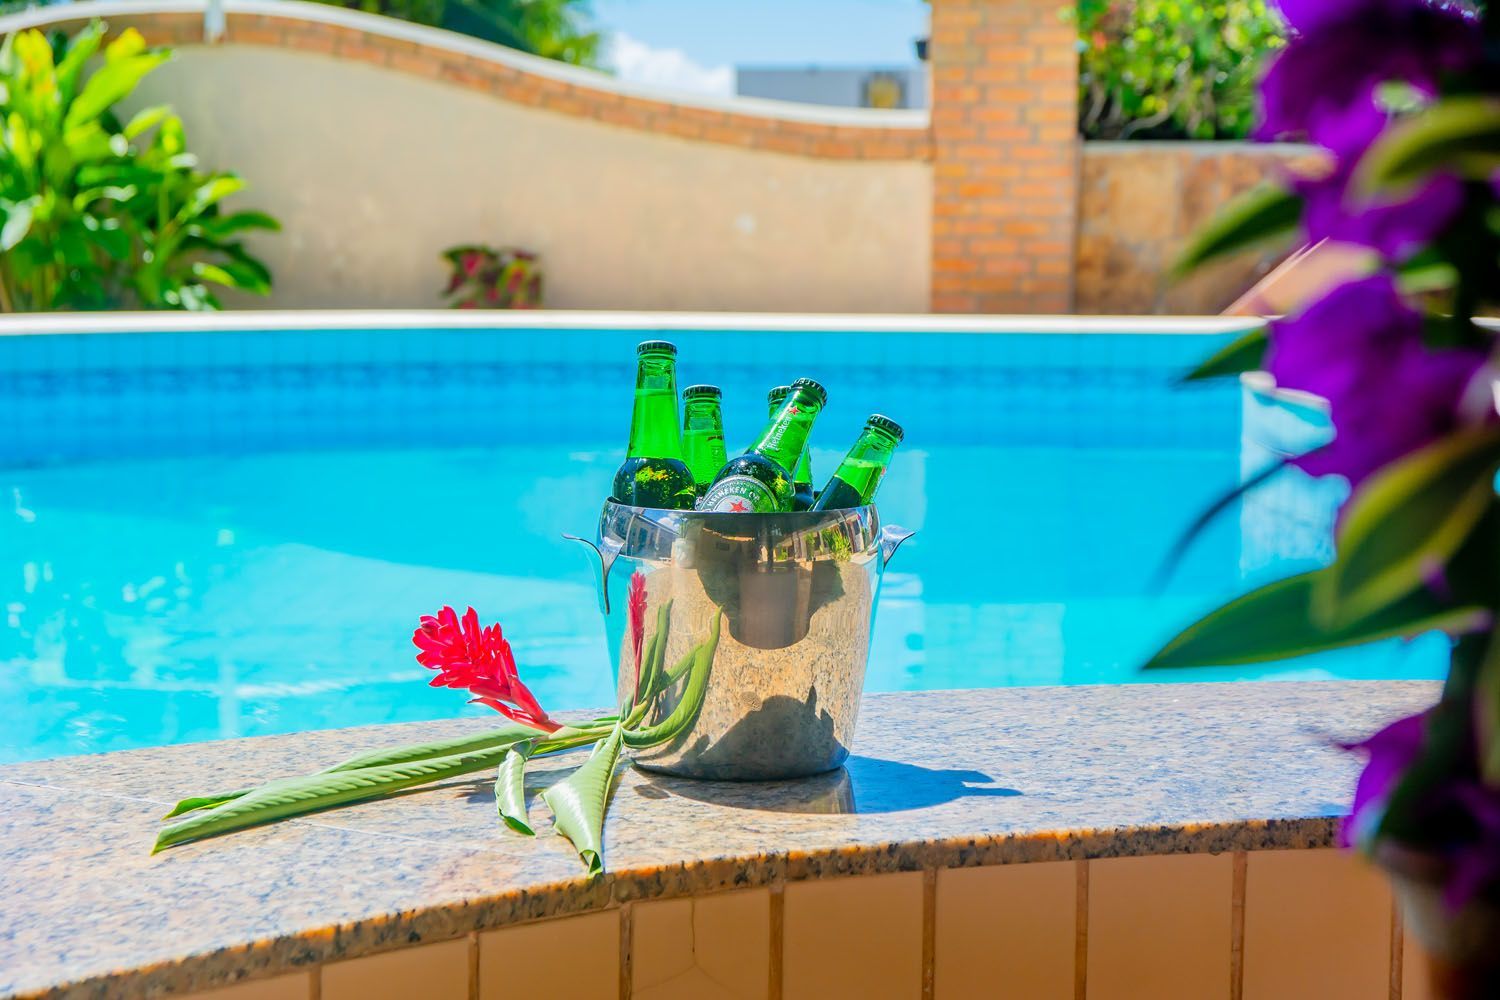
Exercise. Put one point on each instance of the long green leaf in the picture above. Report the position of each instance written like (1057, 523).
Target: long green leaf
(220, 226)
(686, 711)
(1406, 521)
(1276, 622)
(1460, 134)
(579, 800)
(1255, 217)
(502, 737)
(281, 800)
(112, 82)
(1245, 354)
(310, 793)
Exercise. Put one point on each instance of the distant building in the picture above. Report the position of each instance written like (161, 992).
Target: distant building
(856, 87)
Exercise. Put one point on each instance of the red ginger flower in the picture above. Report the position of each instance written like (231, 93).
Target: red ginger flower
(479, 660)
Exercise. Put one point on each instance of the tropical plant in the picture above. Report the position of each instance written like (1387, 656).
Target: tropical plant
(99, 214)
(1410, 379)
(483, 277)
(554, 29)
(663, 704)
(1164, 69)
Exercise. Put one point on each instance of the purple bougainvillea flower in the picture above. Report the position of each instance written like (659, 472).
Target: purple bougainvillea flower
(1324, 84)
(1394, 229)
(1388, 755)
(1360, 347)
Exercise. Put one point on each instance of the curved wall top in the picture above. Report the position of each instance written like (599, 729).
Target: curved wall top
(507, 74)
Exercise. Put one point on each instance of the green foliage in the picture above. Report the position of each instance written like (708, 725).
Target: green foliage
(1277, 622)
(482, 277)
(578, 802)
(1245, 353)
(554, 29)
(1264, 213)
(1406, 522)
(1459, 134)
(97, 214)
(1169, 69)
(1432, 516)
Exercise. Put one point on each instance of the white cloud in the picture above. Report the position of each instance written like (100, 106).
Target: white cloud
(635, 61)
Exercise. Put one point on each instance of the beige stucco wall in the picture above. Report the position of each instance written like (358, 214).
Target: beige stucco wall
(373, 172)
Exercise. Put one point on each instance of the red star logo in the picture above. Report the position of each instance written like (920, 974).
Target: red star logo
(794, 410)
(738, 507)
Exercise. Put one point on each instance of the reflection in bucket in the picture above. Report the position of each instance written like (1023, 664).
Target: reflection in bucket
(798, 594)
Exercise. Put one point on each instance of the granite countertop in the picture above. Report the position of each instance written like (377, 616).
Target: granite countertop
(938, 779)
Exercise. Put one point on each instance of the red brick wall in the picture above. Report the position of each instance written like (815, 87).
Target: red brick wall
(1005, 156)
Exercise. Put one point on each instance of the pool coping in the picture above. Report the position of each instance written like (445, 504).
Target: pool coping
(945, 779)
(42, 324)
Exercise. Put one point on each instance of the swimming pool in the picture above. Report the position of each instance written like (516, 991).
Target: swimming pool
(224, 532)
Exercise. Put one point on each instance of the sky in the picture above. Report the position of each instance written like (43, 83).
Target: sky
(695, 44)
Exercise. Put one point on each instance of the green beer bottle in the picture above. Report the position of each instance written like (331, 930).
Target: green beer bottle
(654, 474)
(760, 480)
(802, 474)
(859, 474)
(703, 433)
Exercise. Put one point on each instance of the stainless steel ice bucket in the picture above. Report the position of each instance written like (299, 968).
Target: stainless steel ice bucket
(797, 593)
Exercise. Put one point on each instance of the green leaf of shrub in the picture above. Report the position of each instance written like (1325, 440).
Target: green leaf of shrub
(80, 50)
(145, 119)
(1259, 215)
(1461, 134)
(1245, 354)
(18, 216)
(510, 789)
(1276, 622)
(113, 81)
(1407, 520)
(578, 802)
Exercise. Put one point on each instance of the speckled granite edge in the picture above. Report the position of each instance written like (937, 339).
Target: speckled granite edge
(445, 923)
(921, 837)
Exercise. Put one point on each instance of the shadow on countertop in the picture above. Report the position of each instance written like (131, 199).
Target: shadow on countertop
(863, 785)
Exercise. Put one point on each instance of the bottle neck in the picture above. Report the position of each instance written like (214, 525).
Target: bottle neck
(785, 438)
(703, 439)
(802, 474)
(865, 464)
(654, 430)
(702, 415)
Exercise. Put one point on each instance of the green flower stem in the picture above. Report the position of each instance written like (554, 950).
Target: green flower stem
(311, 793)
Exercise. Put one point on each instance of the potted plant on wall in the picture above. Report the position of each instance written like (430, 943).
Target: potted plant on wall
(1410, 378)
(482, 277)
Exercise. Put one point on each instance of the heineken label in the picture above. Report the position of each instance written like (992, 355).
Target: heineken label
(740, 495)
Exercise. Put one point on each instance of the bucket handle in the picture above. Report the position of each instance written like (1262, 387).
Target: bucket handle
(891, 537)
(606, 551)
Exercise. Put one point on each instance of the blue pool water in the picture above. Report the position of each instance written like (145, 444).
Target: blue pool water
(223, 534)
